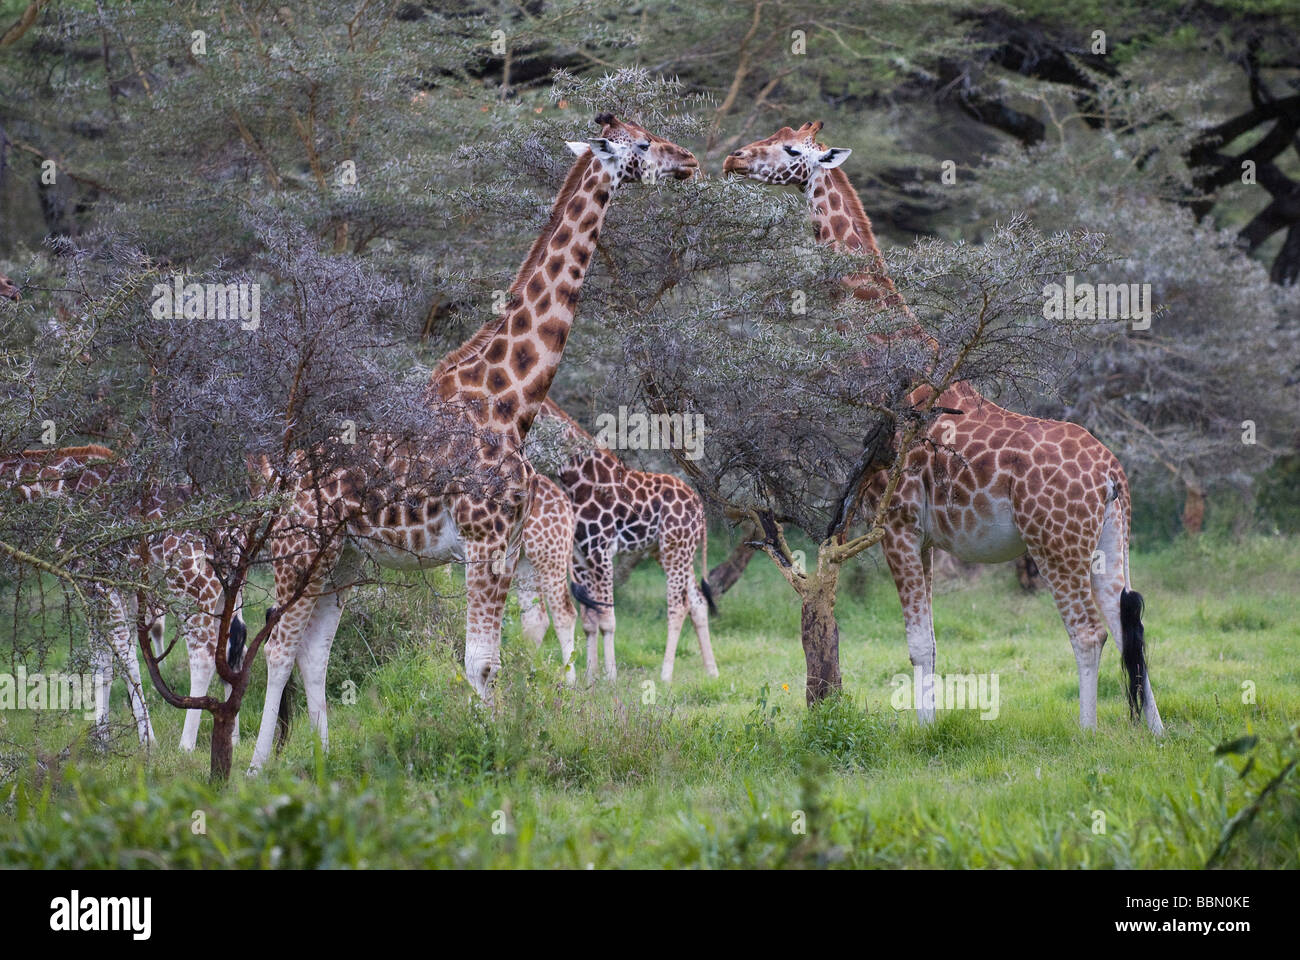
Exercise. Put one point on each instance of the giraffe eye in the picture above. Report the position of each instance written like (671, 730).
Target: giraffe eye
(792, 151)
(643, 145)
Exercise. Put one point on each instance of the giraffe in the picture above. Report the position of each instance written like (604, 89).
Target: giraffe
(988, 484)
(491, 388)
(629, 511)
(542, 579)
(178, 557)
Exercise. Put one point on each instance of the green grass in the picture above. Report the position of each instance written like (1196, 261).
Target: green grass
(716, 773)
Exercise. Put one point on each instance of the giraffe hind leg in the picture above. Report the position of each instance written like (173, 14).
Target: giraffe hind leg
(1121, 608)
(1071, 584)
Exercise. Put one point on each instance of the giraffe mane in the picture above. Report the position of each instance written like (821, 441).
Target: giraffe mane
(858, 215)
(477, 343)
(577, 174)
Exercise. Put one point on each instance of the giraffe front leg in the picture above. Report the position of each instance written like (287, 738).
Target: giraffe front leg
(909, 562)
(489, 567)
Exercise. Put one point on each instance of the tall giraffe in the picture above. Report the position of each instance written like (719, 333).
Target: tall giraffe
(629, 511)
(492, 386)
(989, 484)
(179, 557)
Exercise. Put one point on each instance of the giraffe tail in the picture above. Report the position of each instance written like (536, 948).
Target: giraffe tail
(581, 593)
(704, 579)
(238, 637)
(1135, 660)
(1133, 655)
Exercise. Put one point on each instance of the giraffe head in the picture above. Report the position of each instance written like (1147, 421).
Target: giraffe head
(630, 152)
(786, 157)
(7, 289)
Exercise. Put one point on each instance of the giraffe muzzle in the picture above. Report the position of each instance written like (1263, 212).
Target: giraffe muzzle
(735, 164)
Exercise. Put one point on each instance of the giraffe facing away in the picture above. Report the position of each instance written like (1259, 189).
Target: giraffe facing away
(546, 573)
(629, 511)
(989, 484)
(493, 385)
(179, 557)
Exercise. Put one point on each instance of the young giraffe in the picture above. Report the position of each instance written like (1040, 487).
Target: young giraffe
(542, 580)
(181, 559)
(494, 385)
(990, 484)
(629, 511)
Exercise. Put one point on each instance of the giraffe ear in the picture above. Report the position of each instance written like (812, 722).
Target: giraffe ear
(834, 157)
(602, 148)
(579, 147)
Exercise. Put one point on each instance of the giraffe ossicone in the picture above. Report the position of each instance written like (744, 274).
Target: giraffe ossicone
(986, 484)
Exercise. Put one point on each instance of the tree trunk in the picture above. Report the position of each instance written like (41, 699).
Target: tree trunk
(820, 634)
(223, 727)
(724, 576)
(1193, 506)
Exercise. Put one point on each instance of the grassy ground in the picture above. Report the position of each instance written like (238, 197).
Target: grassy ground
(725, 772)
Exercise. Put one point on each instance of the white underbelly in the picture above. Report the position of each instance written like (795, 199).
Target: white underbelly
(992, 539)
(442, 543)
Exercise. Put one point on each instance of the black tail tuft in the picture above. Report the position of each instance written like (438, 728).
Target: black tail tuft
(1134, 655)
(708, 596)
(235, 646)
(584, 597)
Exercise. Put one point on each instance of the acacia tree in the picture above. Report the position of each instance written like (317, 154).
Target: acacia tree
(298, 389)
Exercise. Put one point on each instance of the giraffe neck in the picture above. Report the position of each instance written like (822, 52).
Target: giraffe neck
(840, 222)
(502, 374)
(58, 472)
